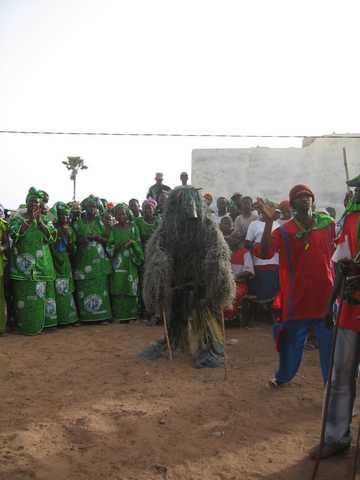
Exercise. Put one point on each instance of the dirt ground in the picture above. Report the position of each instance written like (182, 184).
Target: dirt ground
(78, 404)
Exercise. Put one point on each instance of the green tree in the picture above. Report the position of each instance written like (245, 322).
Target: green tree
(74, 164)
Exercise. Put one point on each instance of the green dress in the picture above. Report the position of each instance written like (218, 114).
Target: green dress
(91, 272)
(146, 229)
(32, 273)
(3, 230)
(124, 280)
(64, 282)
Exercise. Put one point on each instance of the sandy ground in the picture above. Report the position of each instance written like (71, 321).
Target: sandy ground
(79, 404)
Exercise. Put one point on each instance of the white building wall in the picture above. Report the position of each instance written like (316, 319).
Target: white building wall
(271, 172)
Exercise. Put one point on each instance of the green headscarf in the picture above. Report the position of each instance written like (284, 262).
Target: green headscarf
(90, 200)
(126, 209)
(352, 207)
(33, 193)
(43, 195)
(62, 208)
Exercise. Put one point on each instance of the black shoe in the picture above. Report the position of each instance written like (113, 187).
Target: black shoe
(328, 450)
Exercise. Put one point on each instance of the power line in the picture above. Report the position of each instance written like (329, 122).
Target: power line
(171, 134)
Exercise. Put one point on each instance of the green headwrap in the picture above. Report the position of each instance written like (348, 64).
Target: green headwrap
(32, 193)
(43, 195)
(90, 200)
(126, 209)
(62, 208)
(352, 207)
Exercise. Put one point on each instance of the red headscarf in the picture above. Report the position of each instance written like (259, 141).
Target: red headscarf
(298, 190)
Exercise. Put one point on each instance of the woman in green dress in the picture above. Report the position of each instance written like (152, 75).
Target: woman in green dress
(62, 250)
(147, 226)
(149, 222)
(32, 269)
(3, 250)
(127, 256)
(91, 265)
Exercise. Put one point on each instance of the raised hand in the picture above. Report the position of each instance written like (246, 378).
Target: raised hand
(269, 212)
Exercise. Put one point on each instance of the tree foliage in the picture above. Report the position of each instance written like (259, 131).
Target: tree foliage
(74, 164)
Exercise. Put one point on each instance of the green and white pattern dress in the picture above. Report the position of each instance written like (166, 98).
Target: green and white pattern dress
(32, 273)
(3, 231)
(124, 280)
(91, 272)
(64, 282)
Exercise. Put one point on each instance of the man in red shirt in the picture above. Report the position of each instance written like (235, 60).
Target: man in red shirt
(347, 350)
(305, 245)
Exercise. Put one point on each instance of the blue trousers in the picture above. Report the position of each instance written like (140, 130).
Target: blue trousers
(292, 347)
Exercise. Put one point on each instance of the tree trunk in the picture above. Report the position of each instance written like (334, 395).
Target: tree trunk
(74, 192)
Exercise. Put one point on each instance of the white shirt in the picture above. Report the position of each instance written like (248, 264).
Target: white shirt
(254, 235)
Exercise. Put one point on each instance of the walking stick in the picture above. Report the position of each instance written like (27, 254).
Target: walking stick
(167, 334)
(346, 168)
(356, 455)
(328, 387)
(224, 335)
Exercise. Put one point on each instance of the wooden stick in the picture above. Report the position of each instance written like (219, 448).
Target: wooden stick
(167, 335)
(224, 335)
(346, 168)
(328, 385)
(356, 455)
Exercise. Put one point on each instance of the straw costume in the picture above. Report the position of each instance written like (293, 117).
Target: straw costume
(188, 276)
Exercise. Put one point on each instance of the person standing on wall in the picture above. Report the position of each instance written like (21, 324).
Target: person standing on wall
(158, 188)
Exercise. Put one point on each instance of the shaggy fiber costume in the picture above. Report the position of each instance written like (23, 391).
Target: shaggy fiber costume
(188, 276)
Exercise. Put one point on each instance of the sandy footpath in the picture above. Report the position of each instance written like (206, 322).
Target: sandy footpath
(78, 404)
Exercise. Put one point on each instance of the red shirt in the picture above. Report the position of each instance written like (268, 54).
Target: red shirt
(306, 275)
(350, 314)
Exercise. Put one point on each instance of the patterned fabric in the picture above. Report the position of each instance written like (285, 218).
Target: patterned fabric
(64, 283)
(65, 303)
(93, 300)
(2, 306)
(50, 306)
(126, 260)
(30, 257)
(3, 232)
(90, 260)
(32, 304)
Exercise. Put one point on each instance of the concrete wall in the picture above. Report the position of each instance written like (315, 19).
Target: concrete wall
(271, 172)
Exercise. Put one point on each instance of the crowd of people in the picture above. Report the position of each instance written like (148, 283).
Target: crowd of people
(84, 262)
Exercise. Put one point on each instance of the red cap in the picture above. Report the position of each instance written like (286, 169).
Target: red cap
(298, 190)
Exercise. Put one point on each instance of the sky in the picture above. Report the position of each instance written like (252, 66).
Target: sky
(265, 67)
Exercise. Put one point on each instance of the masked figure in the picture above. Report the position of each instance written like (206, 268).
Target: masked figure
(188, 277)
